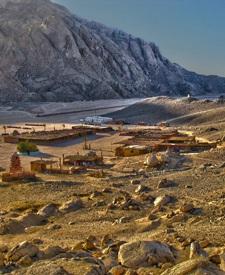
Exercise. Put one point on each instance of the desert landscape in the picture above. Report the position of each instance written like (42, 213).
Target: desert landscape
(154, 204)
(112, 150)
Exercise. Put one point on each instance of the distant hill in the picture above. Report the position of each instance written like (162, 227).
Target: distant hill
(177, 111)
(48, 54)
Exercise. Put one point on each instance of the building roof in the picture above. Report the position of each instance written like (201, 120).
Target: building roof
(46, 162)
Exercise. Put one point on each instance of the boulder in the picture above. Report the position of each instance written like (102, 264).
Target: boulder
(31, 219)
(144, 253)
(48, 210)
(162, 200)
(72, 205)
(165, 183)
(18, 225)
(148, 226)
(196, 266)
(186, 207)
(141, 188)
(64, 266)
(21, 250)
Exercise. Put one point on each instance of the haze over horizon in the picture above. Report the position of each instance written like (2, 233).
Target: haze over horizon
(188, 32)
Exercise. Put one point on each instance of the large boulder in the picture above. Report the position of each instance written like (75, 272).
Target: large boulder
(198, 266)
(31, 219)
(144, 253)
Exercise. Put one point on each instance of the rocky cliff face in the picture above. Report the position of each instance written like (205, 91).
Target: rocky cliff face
(48, 54)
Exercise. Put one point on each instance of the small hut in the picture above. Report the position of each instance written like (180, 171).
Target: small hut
(89, 160)
(42, 166)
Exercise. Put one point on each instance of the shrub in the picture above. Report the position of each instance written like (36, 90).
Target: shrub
(27, 147)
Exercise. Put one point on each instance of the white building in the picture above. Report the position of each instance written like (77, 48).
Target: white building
(96, 120)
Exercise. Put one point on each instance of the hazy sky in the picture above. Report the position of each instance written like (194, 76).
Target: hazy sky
(189, 32)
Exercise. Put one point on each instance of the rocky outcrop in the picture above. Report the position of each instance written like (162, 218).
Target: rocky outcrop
(48, 54)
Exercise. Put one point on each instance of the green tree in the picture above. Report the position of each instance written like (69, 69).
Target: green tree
(27, 147)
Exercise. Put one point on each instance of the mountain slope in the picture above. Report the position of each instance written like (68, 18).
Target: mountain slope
(48, 54)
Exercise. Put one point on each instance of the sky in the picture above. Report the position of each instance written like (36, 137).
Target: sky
(188, 32)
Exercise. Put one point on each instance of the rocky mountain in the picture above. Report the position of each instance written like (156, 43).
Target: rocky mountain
(48, 54)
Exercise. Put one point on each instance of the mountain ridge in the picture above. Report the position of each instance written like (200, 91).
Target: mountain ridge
(49, 54)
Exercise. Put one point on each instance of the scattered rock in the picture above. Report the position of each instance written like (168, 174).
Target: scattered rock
(162, 200)
(122, 220)
(186, 207)
(95, 194)
(141, 188)
(165, 183)
(180, 217)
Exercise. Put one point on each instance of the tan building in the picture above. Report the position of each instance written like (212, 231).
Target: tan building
(131, 150)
